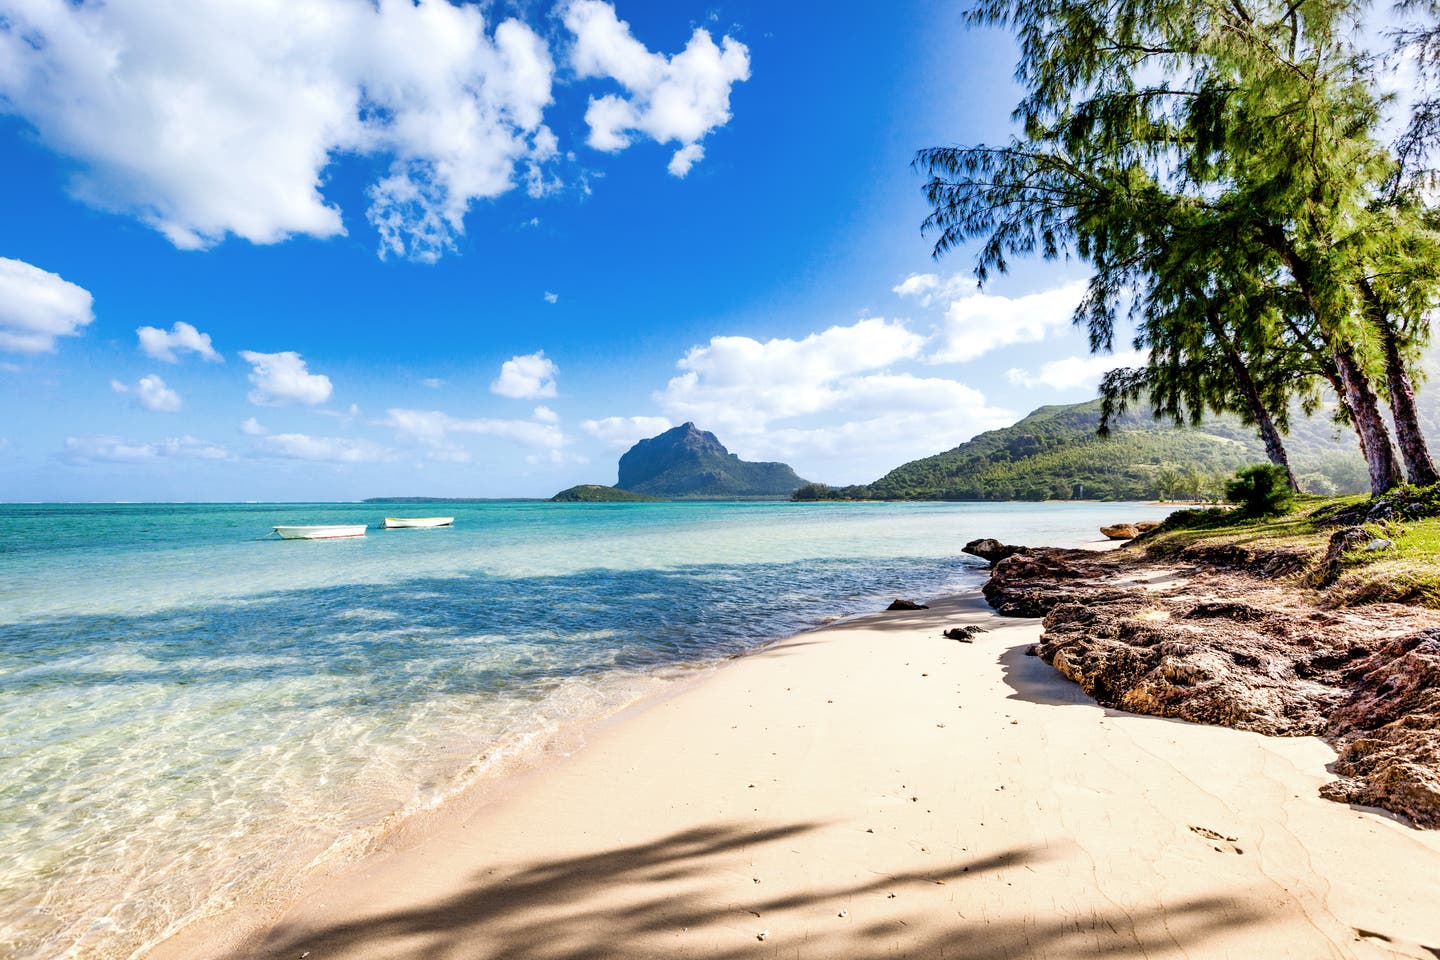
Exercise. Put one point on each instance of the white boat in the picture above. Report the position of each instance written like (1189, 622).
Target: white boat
(337, 531)
(398, 523)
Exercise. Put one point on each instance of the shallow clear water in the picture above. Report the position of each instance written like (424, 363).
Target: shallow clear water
(189, 714)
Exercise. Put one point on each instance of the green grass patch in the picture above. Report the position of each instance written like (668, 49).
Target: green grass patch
(1408, 572)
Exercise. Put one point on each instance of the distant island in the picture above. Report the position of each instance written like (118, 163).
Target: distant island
(687, 463)
(445, 499)
(595, 493)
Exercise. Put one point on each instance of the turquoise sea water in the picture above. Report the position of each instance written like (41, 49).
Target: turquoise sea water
(191, 715)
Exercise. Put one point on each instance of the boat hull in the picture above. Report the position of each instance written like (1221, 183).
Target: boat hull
(341, 531)
(415, 523)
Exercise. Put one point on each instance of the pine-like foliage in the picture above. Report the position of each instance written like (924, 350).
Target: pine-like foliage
(1218, 164)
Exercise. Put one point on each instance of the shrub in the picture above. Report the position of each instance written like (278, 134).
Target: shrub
(1261, 489)
(1198, 519)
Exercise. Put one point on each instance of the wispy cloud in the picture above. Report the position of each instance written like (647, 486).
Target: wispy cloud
(435, 427)
(621, 433)
(109, 449)
(151, 393)
(299, 446)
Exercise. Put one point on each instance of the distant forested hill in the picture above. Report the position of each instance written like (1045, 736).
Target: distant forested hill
(1054, 454)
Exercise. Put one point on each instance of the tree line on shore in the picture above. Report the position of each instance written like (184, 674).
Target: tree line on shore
(1223, 167)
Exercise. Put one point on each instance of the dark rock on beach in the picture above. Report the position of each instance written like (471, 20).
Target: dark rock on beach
(963, 634)
(907, 605)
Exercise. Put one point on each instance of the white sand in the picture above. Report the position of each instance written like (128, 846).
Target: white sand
(873, 790)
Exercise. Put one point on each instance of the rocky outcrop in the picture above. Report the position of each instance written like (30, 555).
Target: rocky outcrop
(1237, 647)
(1032, 583)
(1388, 730)
(991, 550)
(1342, 541)
(1224, 664)
(1120, 531)
(690, 462)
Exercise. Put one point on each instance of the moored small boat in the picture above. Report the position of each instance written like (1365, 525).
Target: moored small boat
(337, 531)
(401, 523)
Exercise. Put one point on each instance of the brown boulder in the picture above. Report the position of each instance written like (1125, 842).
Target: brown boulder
(1120, 531)
(988, 548)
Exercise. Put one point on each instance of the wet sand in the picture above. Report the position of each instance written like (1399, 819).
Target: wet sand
(874, 790)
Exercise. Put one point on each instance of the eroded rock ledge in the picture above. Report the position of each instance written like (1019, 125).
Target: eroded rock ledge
(1229, 640)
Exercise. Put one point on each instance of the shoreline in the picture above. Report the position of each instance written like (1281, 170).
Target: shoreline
(869, 789)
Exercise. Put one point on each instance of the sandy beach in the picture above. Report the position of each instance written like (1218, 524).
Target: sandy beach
(875, 790)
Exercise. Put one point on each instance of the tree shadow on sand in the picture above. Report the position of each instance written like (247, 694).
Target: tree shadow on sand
(624, 903)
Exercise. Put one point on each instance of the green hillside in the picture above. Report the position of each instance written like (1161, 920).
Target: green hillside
(1054, 454)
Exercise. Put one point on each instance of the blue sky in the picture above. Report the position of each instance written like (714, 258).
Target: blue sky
(337, 249)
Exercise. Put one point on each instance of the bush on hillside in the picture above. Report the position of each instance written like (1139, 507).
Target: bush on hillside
(1261, 490)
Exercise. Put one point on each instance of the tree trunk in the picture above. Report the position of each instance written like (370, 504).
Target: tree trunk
(1369, 423)
(1274, 446)
(1355, 390)
(1419, 466)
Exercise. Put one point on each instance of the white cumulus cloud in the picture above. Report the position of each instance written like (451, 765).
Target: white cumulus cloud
(253, 428)
(299, 446)
(37, 306)
(622, 433)
(528, 377)
(154, 395)
(206, 118)
(545, 415)
(975, 324)
(831, 404)
(181, 337)
(1072, 373)
(677, 99)
(930, 288)
(742, 383)
(283, 378)
(107, 449)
